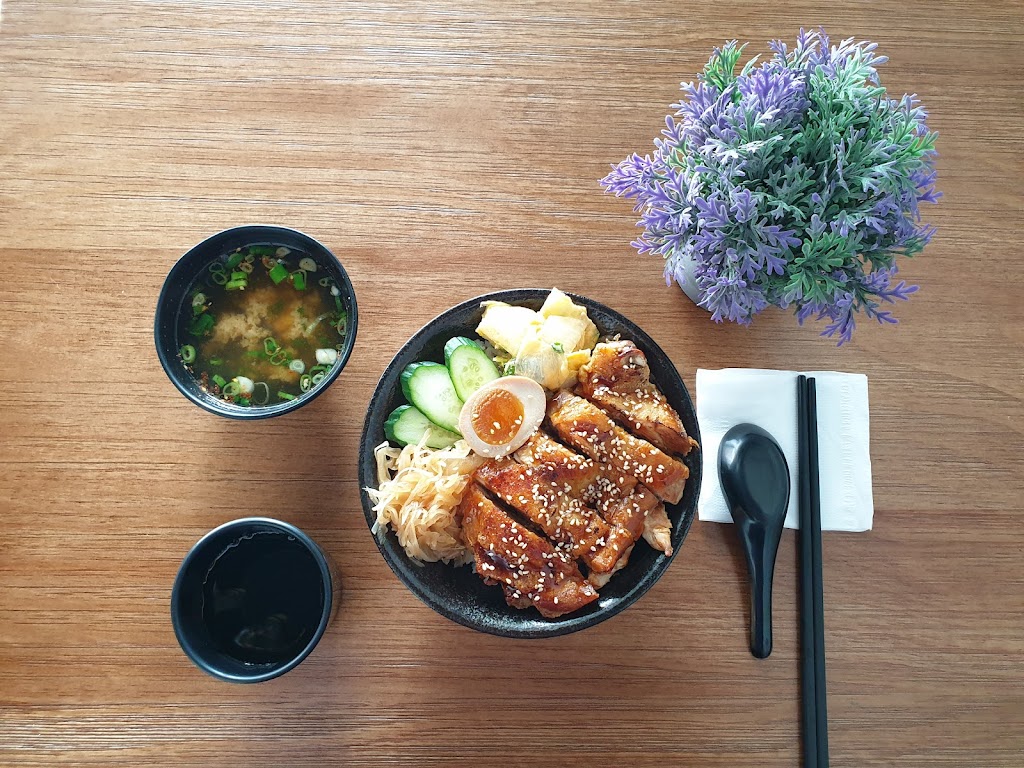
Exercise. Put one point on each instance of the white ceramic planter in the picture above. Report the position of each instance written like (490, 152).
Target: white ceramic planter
(689, 274)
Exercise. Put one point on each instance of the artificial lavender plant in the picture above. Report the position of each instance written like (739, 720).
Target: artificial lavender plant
(795, 182)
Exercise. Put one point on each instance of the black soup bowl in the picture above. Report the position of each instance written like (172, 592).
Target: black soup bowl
(173, 307)
(457, 592)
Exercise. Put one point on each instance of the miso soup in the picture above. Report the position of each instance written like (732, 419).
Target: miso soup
(262, 325)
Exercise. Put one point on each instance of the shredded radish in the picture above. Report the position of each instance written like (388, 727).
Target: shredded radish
(418, 491)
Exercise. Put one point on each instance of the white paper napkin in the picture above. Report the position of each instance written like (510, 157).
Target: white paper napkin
(768, 399)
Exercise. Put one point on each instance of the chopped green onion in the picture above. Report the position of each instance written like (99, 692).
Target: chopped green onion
(234, 260)
(188, 354)
(261, 250)
(220, 278)
(318, 377)
(245, 267)
(315, 323)
(201, 325)
(270, 345)
(199, 299)
(299, 280)
(297, 366)
(236, 285)
(231, 389)
(219, 380)
(557, 346)
(249, 258)
(279, 358)
(510, 368)
(278, 273)
(216, 361)
(319, 368)
(325, 281)
(340, 307)
(285, 396)
(198, 309)
(239, 275)
(305, 382)
(260, 393)
(239, 400)
(216, 267)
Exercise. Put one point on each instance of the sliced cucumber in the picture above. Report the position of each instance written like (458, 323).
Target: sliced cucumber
(469, 366)
(407, 425)
(429, 387)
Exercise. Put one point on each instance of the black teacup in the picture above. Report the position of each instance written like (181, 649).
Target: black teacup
(252, 599)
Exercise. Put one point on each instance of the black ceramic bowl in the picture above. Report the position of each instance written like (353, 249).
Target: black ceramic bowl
(176, 288)
(458, 593)
(187, 601)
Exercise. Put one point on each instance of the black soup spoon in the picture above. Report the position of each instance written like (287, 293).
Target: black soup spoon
(755, 478)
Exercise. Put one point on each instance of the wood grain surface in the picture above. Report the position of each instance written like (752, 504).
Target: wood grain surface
(443, 150)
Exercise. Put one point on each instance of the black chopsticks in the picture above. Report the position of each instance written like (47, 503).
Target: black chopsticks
(812, 620)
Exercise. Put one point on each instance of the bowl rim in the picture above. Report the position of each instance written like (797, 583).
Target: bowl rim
(564, 625)
(240, 525)
(253, 413)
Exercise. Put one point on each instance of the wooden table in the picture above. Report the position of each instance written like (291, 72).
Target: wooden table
(444, 150)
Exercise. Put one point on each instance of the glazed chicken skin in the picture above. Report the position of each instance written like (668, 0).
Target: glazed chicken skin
(607, 486)
(616, 496)
(530, 571)
(548, 495)
(604, 484)
(583, 475)
(618, 379)
(587, 428)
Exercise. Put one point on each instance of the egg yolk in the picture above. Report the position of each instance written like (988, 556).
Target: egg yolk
(497, 418)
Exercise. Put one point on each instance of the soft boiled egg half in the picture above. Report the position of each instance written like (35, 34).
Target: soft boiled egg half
(500, 416)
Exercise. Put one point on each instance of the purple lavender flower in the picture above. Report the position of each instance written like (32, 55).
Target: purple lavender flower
(796, 182)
